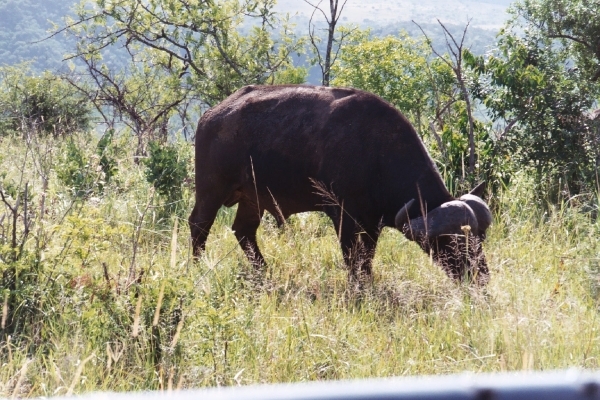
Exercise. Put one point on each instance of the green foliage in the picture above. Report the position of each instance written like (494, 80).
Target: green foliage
(83, 172)
(114, 287)
(166, 170)
(45, 103)
(291, 75)
(490, 166)
(394, 67)
(532, 88)
(105, 151)
(574, 23)
(198, 43)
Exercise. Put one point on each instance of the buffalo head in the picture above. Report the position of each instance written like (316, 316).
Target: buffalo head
(452, 233)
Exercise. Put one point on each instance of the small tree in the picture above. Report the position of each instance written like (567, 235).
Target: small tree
(541, 101)
(45, 103)
(574, 23)
(142, 95)
(454, 60)
(167, 171)
(198, 43)
(327, 60)
(394, 67)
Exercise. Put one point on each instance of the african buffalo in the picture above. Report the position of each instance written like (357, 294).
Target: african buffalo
(343, 151)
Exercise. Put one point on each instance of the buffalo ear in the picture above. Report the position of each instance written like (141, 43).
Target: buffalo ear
(478, 190)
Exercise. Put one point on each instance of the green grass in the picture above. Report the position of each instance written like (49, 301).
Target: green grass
(539, 311)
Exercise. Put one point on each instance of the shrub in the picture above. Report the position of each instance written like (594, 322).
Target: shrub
(44, 103)
(166, 170)
(78, 170)
(105, 151)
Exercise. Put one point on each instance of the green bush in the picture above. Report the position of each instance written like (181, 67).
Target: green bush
(105, 151)
(166, 170)
(44, 103)
(78, 170)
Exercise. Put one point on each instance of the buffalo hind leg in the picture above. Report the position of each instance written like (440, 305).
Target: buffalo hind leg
(245, 225)
(202, 217)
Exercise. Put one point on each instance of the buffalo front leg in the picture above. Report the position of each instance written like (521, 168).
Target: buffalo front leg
(358, 248)
(245, 225)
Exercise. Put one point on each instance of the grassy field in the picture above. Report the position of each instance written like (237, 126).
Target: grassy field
(108, 298)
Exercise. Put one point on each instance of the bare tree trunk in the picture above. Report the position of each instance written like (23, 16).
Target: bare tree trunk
(465, 94)
(332, 19)
(331, 31)
(456, 50)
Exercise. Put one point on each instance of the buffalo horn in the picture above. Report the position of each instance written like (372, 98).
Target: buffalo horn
(402, 215)
(447, 219)
(481, 210)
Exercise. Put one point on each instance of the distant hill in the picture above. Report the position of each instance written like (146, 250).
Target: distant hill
(23, 26)
(388, 17)
(486, 14)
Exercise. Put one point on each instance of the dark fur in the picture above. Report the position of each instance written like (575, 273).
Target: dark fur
(265, 147)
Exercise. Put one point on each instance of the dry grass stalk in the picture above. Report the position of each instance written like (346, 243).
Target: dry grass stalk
(170, 381)
(330, 199)
(180, 382)
(5, 310)
(177, 332)
(159, 304)
(161, 378)
(174, 246)
(10, 358)
(136, 318)
(255, 188)
(527, 361)
(78, 375)
(108, 357)
(503, 366)
(279, 217)
(136, 238)
(340, 224)
(22, 375)
(113, 355)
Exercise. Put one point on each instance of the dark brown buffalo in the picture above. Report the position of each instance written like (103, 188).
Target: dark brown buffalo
(348, 153)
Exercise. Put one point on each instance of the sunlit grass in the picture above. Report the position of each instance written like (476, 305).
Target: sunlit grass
(300, 321)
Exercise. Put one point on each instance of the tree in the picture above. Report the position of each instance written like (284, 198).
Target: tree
(145, 62)
(531, 88)
(142, 95)
(199, 42)
(575, 23)
(327, 60)
(454, 60)
(394, 67)
(42, 103)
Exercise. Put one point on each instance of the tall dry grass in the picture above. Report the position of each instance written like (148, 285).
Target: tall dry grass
(119, 304)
